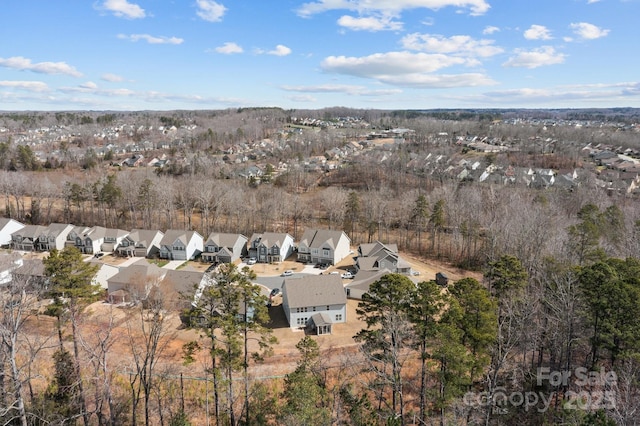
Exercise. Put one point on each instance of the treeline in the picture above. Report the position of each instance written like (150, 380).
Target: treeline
(556, 347)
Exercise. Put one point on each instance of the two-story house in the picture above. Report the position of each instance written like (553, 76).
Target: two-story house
(271, 247)
(378, 256)
(74, 234)
(315, 301)
(91, 241)
(140, 243)
(177, 244)
(26, 238)
(53, 237)
(224, 248)
(112, 239)
(323, 246)
(8, 227)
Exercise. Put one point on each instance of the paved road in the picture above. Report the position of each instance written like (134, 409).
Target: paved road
(276, 281)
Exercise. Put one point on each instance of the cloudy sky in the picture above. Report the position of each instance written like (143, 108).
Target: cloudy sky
(382, 54)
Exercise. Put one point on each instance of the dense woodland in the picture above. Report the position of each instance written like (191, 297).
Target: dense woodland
(560, 293)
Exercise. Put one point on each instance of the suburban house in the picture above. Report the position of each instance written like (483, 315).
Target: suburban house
(378, 256)
(224, 248)
(26, 238)
(112, 239)
(134, 282)
(140, 243)
(361, 282)
(177, 244)
(316, 301)
(271, 247)
(53, 237)
(31, 272)
(323, 246)
(91, 241)
(74, 234)
(8, 227)
(105, 271)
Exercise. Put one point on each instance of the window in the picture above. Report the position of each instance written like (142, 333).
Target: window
(328, 307)
(338, 317)
(325, 253)
(314, 309)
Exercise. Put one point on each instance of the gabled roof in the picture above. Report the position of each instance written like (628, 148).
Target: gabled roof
(172, 235)
(319, 238)
(143, 235)
(364, 279)
(371, 249)
(270, 239)
(95, 233)
(56, 229)
(31, 231)
(224, 239)
(314, 290)
(4, 221)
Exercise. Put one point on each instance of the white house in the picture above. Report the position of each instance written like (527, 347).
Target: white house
(8, 227)
(316, 301)
(177, 244)
(323, 246)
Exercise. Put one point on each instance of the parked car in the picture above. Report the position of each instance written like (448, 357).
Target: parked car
(274, 292)
(98, 255)
(252, 261)
(287, 273)
(347, 275)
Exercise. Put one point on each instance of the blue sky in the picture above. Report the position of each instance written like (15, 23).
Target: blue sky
(381, 54)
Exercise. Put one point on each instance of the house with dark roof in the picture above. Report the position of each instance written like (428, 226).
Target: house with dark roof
(224, 248)
(315, 301)
(323, 246)
(271, 247)
(140, 243)
(177, 244)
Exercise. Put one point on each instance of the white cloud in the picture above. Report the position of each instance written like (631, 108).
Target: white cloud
(31, 86)
(461, 45)
(210, 10)
(490, 30)
(341, 88)
(439, 81)
(124, 9)
(89, 85)
(537, 32)
(369, 23)
(280, 50)
(388, 63)
(588, 31)
(391, 7)
(405, 69)
(25, 64)
(592, 1)
(545, 55)
(151, 39)
(228, 48)
(113, 78)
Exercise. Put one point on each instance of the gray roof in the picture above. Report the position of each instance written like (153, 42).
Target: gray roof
(270, 239)
(138, 273)
(177, 234)
(364, 279)
(143, 235)
(224, 239)
(314, 290)
(316, 238)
